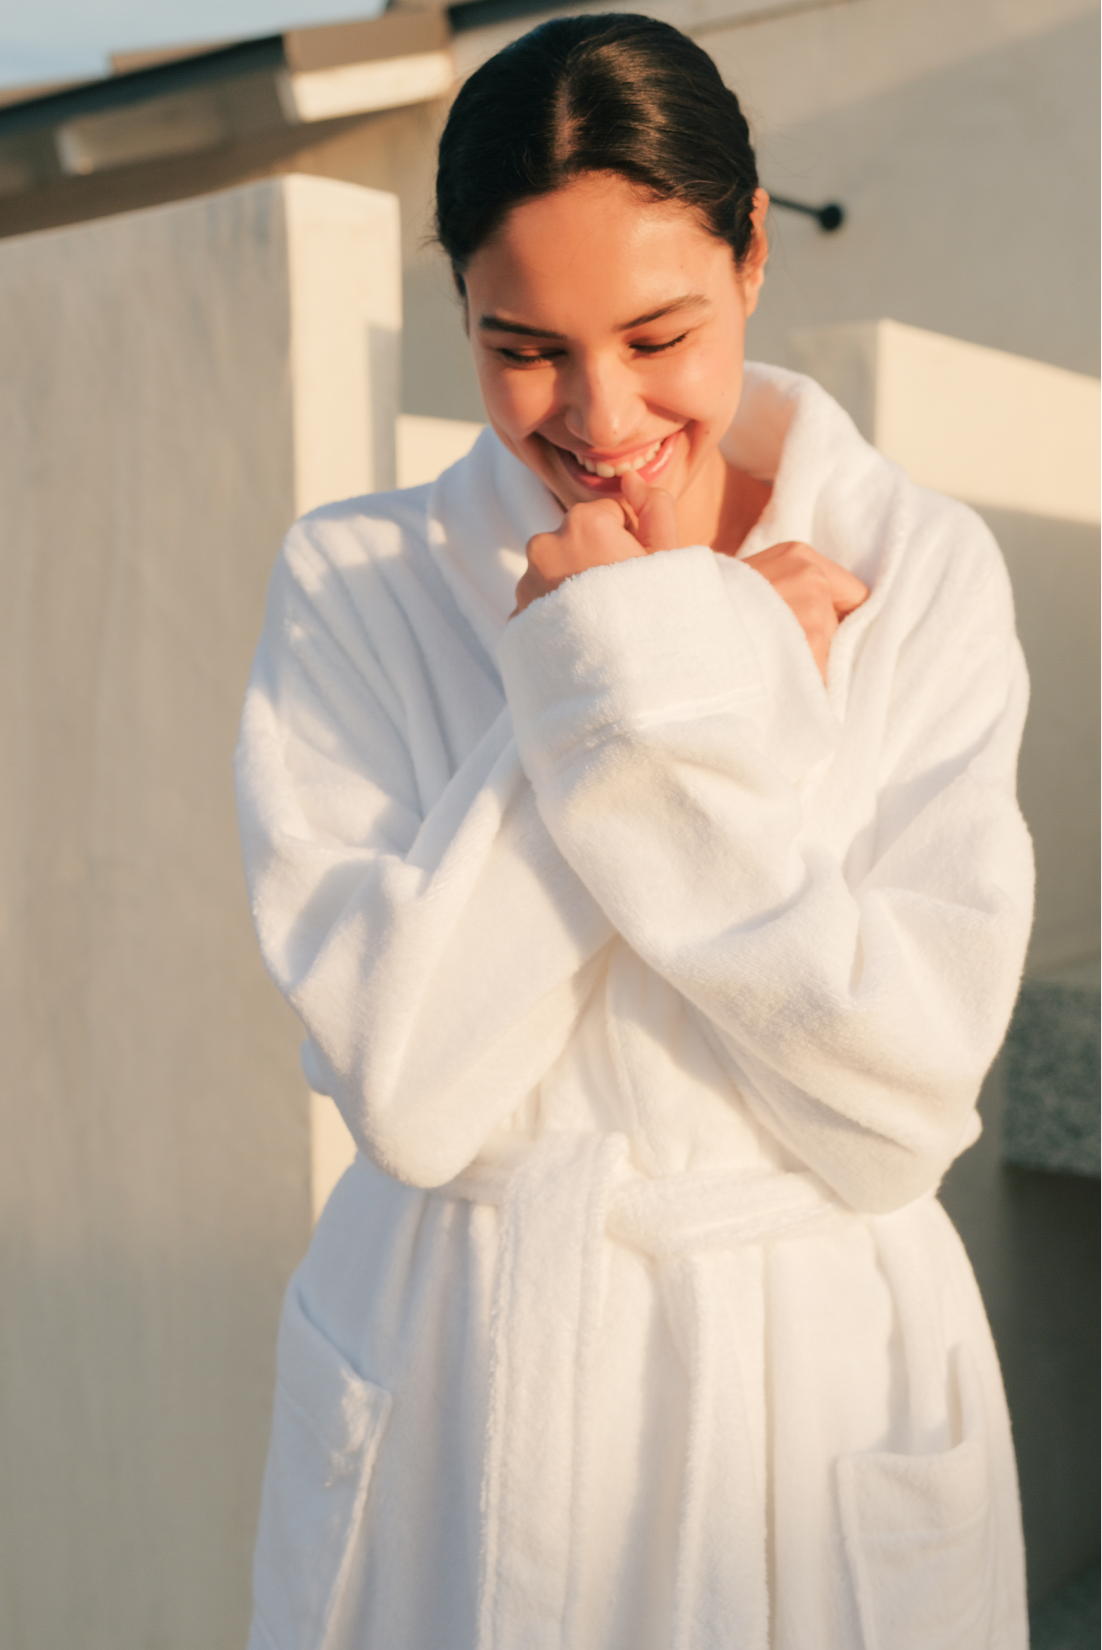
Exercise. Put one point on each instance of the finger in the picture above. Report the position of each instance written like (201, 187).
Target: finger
(529, 589)
(847, 591)
(633, 491)
(631, 519)
(614, 508)
(658, 522)
(655, 510)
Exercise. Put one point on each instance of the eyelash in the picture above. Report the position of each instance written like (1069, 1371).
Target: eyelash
(515, 359)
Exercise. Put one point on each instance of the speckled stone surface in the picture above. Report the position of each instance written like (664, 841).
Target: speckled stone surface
(1052, 1077)
(1069, 1618)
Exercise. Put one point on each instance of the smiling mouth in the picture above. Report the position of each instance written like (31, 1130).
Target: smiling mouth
(598, 468)
(595, 470)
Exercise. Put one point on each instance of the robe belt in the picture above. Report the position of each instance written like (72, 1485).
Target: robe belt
(560, 1197)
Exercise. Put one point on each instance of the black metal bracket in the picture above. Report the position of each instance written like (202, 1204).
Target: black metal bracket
(829, 217)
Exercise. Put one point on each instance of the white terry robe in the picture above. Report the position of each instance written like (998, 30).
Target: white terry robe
(656, 982)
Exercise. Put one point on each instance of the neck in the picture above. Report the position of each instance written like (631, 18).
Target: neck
(721, 507)
(744, 499)
(700, 508)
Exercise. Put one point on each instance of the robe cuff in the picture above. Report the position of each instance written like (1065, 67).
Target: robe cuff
(618, 648)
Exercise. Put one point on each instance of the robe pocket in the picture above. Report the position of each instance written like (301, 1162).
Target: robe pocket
(919, 1535)
(326, 1429)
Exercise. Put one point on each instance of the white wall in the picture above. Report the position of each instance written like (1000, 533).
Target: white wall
(981, 425)
(175, 386)
(426, 446)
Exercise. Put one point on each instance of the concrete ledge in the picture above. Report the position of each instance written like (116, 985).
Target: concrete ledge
(1069, 1618)
(1052, 1078)
(994, 429)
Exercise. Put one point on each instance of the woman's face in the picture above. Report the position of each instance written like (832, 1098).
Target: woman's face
(608, 333)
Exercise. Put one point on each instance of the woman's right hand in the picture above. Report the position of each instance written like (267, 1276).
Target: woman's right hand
(642, 519)
(819, 592)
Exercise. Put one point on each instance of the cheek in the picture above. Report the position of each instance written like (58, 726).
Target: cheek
(708, 388)
(519, 402)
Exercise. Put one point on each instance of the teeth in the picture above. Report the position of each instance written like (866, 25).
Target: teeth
(608, 470)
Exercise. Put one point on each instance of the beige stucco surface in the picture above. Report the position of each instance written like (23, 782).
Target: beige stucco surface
(346, 328)
(426, 446)
(156, 432)
(961, 141)
(397, 153)
(994, 429)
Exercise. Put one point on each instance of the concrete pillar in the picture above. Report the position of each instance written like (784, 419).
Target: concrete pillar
(176, 385)
(426, 446)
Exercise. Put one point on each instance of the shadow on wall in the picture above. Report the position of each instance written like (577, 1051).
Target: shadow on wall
(438, 376)
(1054, 569)
(950, 190)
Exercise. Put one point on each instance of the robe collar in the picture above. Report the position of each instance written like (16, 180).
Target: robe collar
(787, 430)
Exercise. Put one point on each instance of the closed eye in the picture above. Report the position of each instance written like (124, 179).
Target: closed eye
(527, 358)
(657, 349)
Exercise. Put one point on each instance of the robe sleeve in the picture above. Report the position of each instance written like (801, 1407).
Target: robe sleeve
(436, 952)
(856, 997)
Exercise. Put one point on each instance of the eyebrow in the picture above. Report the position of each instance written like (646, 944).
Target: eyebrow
(690, 300)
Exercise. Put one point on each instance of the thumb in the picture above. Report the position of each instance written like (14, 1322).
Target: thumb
(654, 511)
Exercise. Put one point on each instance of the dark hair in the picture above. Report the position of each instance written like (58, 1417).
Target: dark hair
(614, 93)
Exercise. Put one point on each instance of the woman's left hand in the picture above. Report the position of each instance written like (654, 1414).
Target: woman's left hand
(819, 592)
(642, 519)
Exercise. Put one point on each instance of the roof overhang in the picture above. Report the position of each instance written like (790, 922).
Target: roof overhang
(164, 106)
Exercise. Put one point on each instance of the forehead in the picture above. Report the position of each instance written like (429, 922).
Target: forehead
(598, 247)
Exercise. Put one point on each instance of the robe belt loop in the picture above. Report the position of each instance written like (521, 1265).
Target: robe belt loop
(560, 1196)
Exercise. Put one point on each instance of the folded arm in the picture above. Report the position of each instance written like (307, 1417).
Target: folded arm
(857, 998)
(427, 932)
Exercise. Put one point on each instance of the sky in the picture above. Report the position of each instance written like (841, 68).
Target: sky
(59, 39)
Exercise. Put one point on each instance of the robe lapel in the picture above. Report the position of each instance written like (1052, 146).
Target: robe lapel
(826, 481)
(482, 512)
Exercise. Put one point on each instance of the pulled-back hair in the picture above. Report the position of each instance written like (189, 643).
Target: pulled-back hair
(616, 93)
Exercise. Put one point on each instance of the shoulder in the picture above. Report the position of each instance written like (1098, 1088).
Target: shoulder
(921, 550)
(365, 559)
(950, 561)
(860, 508)
(356, 534)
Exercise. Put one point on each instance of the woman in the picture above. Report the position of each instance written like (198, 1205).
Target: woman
(630, 819)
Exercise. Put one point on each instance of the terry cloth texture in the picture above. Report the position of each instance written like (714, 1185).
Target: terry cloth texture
(656, 982)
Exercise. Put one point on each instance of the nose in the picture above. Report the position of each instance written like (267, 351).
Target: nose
(603, 404)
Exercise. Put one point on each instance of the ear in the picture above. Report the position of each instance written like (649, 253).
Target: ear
(752, 268)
